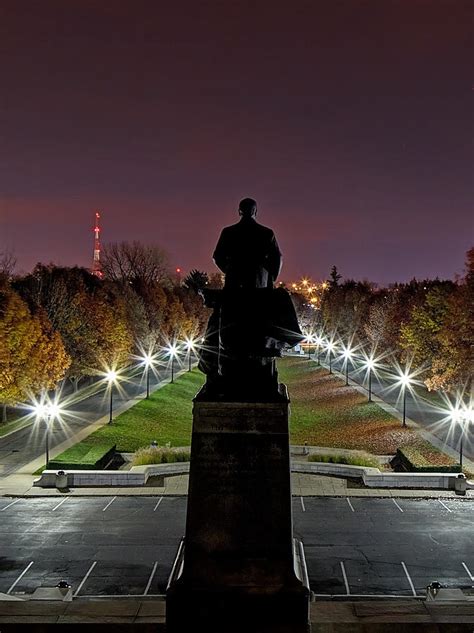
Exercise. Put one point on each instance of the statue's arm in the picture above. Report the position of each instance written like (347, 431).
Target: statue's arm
(274, 259)
(220, 254)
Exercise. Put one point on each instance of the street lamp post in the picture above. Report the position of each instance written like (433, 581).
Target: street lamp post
(47, 412)
(111, 377)
(330, 348)
(370, 366)
(347, 356)
(172, 353)
(404, 380)
(148, 362)
(190, 347)
(463, 416)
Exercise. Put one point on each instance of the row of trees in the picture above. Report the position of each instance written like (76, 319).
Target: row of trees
(58, 322)
(428, 323)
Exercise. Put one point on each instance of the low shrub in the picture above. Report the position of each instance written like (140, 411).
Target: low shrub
(159, 455)
(84, 457)
(410, 459)
(352, 460)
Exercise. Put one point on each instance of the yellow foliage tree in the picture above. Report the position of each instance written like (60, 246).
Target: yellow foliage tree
(32, 355)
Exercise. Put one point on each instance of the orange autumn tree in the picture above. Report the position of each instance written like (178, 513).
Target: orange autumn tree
(32, 355)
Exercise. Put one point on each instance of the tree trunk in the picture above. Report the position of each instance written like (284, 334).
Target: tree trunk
(4, 412)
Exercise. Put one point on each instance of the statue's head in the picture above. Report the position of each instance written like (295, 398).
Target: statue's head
(248, 208)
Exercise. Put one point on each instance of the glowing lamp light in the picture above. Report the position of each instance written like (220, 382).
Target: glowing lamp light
(172, 351)
(347, 354)
(40, 409)
(370, 363)
(190, 346)
(48, 412)
(147, 360)
(54, 410)
(462, 416)
(404, 379)
(111, 375)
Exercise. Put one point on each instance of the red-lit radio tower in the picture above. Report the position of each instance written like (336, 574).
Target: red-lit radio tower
(96, 267)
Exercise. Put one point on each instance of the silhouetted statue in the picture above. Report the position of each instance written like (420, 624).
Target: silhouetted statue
(252, 321)
(247, 252)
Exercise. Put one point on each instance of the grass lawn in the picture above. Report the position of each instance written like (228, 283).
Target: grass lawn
(165, 417)
(13, 425)
(324, 412)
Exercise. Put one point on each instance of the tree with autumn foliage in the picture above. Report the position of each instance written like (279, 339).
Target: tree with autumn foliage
(453, 366)
(91, 316)
(32, 355)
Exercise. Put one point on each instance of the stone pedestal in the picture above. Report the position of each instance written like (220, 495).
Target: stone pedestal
(238, 567)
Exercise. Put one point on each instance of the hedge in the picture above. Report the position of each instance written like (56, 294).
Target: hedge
(84, 457)
(412, 460)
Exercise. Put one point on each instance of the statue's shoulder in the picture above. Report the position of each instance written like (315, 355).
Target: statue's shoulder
(265, 230)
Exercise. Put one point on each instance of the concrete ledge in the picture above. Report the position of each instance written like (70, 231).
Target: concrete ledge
(136, 476)
(374, 478)
(371, 477)
(348, 615)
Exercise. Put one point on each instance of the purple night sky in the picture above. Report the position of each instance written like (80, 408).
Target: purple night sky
(350, 122)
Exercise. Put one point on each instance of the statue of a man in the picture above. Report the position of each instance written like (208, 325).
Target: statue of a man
(252, 321)
(247, 252)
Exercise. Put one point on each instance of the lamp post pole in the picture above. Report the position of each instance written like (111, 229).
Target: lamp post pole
(111, 384)
(404, 406)
(48, 421)
(370, 384)
(148, 380)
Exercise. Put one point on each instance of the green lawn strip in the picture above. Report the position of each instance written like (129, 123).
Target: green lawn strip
(14, 425)
(324, 412)
(165, 417)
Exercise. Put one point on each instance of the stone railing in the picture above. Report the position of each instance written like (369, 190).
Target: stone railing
(139, 475)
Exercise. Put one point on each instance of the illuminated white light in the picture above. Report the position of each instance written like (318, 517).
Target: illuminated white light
(40, 409)
(370, 363)
(404, 379)
(330, 346)
(190, 344)
(54, 409)
(147, 360)
(347, 353)
(111, 375)
(172, 350)
(43, 410)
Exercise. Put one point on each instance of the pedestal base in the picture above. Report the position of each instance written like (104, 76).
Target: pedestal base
(238, 568)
